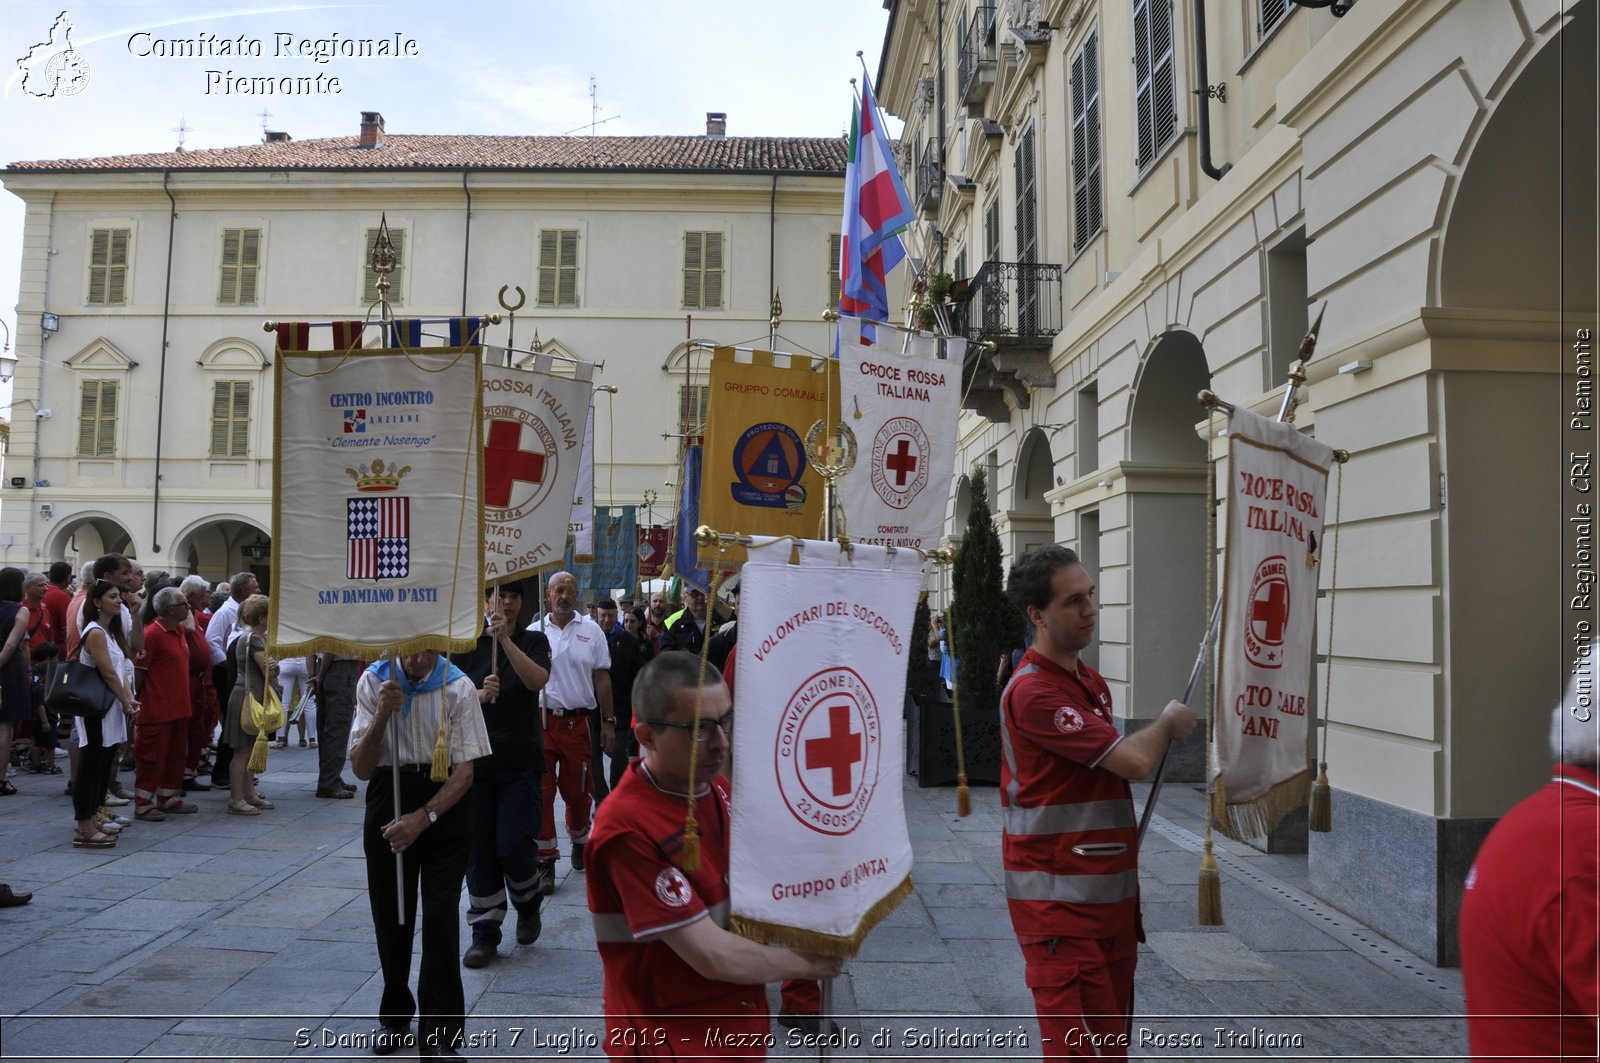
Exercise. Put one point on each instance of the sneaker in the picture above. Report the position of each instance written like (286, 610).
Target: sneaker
(547, 877)
(121, 791)
(577, 856)
(529, 926)
(479, 953)
(116, 800)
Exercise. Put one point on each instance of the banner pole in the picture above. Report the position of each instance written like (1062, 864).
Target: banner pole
(394, 789)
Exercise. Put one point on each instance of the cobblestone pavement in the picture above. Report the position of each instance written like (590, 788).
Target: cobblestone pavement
(218, 937)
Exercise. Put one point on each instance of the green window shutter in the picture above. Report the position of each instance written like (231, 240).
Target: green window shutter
(88, 418)
(249, 264)
(693, 269)
(97, 419)
(99, 253)
(567, 269)
(834, 243)
(228, 284)
(221, 404)
(549, 249)
(108, 267)
(369, 284)
(711, 287)
(240, 443)
(117, 272)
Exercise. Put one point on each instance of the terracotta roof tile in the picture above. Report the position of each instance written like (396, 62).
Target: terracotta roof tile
(408, 152)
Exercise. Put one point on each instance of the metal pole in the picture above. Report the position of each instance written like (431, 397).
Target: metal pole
(394, 785)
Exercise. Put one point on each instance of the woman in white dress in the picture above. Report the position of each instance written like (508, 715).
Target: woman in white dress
(105, 647)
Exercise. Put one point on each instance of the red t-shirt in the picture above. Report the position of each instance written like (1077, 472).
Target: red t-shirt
(1528, 927)
(42, 627)
(656, 1004)
(1070, 830)
(56, 601)
(169, 655)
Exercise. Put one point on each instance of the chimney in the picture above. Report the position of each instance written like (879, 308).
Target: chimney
(371, 130)
(716, 123)
(276, 136)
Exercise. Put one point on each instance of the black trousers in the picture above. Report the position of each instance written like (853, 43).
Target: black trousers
(223, 758)
(95, 763)
(506, 804)
(597, 775)
(336, 709)
(435, 866)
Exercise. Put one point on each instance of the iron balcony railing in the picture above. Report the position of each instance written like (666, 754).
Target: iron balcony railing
(928, 175)
(1018, 302)
(975, 61)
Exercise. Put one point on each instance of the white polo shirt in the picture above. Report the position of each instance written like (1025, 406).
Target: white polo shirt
(576, 651)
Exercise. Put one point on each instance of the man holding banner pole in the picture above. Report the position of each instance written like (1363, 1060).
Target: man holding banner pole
(677, 982)
(411, 703)
(1070, 841)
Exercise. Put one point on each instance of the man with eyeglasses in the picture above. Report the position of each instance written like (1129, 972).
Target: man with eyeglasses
(172, 650)
(676, 980)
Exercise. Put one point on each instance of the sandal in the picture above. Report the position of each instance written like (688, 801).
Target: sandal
(94, 840)
(259, 801)
(178, 806)
(302, 743)
(313, 743)
(150, 814)
(242, 808)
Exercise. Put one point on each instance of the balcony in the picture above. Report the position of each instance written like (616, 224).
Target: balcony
(975, 63)
(928, 177)
(1017, 307)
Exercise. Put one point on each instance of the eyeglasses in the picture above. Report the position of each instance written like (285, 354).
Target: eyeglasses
(725, 725)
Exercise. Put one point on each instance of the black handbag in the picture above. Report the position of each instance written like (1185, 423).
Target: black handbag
(76, 689)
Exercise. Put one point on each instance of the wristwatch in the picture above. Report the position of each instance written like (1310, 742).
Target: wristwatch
(608, 719)
(433, 816)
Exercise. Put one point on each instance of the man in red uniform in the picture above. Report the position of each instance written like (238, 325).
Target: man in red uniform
(172, 650)
(677, 983)
(1071, 839)
(1530, 946)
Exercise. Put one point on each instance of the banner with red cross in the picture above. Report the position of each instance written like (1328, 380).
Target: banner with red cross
(820, 852)
(533, 439)
(1277, 483)
(903, 409)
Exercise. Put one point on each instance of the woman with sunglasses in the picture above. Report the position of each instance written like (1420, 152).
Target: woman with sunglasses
(104, 646)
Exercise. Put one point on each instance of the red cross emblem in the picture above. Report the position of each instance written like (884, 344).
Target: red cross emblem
(901, 462)
(505, 463)
(1267, 619)
(673, 888)
(838, 751)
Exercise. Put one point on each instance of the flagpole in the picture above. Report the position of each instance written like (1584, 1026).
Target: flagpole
(394, 790)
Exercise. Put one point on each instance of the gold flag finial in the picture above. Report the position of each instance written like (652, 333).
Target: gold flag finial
(383, 260)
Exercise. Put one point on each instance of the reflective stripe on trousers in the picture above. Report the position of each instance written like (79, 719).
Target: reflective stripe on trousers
(1072, 889)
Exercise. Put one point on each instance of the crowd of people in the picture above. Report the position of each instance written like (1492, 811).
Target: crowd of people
(463, 757)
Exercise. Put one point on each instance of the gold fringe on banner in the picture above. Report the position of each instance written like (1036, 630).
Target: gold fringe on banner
(1256, 817)
(846, 945)
(367, 651)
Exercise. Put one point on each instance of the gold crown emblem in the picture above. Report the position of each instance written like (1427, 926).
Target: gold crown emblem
(379, 477)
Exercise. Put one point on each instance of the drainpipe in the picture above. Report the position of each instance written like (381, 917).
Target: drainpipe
(466, 248)
(161, 389)
(1201, 87)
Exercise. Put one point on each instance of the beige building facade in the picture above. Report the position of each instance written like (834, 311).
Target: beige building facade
(1142, 206)
(144, 381)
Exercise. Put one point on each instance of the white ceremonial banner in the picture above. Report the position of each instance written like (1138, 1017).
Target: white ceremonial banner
(533, 424)
(820, 852)
(903, 409)
(581, 523)
(377, 539)
(1277, 483)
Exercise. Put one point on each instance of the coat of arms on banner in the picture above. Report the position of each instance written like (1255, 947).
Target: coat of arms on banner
(768, 460)
(379, 537)
(517, 470)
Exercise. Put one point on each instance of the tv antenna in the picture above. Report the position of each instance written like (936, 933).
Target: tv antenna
(181, 128)
(594, 112)
(265, 115)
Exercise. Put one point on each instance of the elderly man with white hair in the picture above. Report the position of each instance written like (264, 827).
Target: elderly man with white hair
(1530, 947)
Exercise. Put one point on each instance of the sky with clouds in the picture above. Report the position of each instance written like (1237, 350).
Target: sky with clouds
(476, 67)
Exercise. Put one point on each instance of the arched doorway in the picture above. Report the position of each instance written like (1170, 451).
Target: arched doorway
(1165, 532)
(1030, 521)
(81, 537)
(219, 546)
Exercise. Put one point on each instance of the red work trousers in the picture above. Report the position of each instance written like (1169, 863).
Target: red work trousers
(159, 752)
(568, 757)
(1083, 992)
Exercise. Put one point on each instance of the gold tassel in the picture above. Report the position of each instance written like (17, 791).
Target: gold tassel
(441, 751)
(1210, 886)
(963, 797)
(1219, 801)
(690, 860)
(1321, 816)
(258, 753)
